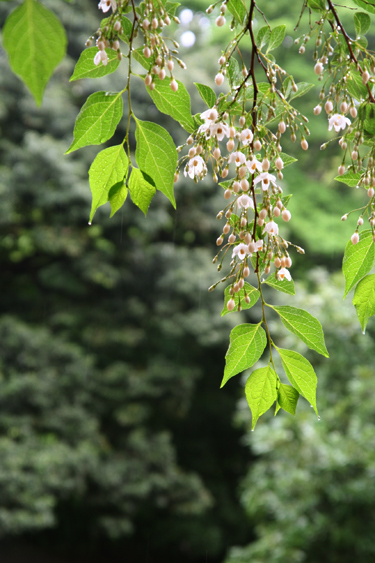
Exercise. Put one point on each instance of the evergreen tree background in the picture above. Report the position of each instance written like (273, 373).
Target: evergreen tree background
(115, 440)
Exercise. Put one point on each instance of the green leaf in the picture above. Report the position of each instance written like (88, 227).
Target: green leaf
(261, 392)
(250, 291)
(138, 55)
(354, 85)
(350, 178)
(206, 93)
(316, 5)
(276, 38)
(287, 159)
(117, 196)
(97, 120)
(370, 119)
(127, 27)
(141, 191)
(263, 36)
(368, 5)
(304, 325)
(156, 155)
(171, 7)
(35, 42)
(285, 286)
(246, 346)
(358, 260)
(303, 88)
(109, 168)
(301, 374)
(362, 22)
(237, 9)
(287, 398)
(364, 300)
(85, 67)
(176, 104)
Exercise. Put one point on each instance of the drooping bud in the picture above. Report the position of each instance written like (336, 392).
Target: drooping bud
(286, 215)
(355, 238)
(219, 79)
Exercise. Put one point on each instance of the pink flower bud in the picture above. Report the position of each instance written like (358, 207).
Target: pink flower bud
(226, 228)
(279, 163)
(231, 304)
(162, 74)
(277, 262)
(244, 185)
(220, 21)
(242, 171)
(174, 85)
(304, 144)
(227, 194)
(265, 164)
(170, 65)
(263, 213)
(148, 80)
(365, 77)
(216, 153)
(219, 79)
(282, 127)
(318, 68)
(370, 192)
(230, 145)
(236, 187)
(232, 238)
(328, 106)
(246, 271)
(317, 110)
(286, 215)
(219, 241)
(344, 107)
(353, 112)
(117, 26)
(355, 238)
(341, 170)
(276, 212)
(257, 145)
(242, 120)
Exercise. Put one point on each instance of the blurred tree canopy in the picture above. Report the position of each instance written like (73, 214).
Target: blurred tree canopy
(114, 435)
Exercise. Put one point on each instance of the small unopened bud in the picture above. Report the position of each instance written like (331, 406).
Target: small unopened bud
(162, 74)
(365, 77)
(288, 262)
(277, 262)
(226, 228)
(154, 23)
(344, 107)
(282, 127)
(267, 270)
(225, 172)
(219, 241)
(192, 152)
(353, 112)
(317, 110)
(227, 194)
(170, 65)
(244, 185)
(174, 85)
(304, 144)
(230, 145)
(210, 9)
(231, 304)
(241, 283)
(370, 192)
(216, 154)
(220, 21)
(301, 50)
(360, 221)
(328, 106)
(344, 218)
(152, 86)
(318, 68)
(260, 222)
(355, 238)
(265, 164)
(286, 215)
(242, 120)
(232, 238)
(294, 87)
(148, 79)
(236, 187)
(263, 213)
(219, 79)
(280, 175)
(293, 138)
(236, 288)
(354, 155)
(246, 271)
(222, 60)
(257, 145)
(276, 212)
(279, 163)
(252, 247)
(341, 170)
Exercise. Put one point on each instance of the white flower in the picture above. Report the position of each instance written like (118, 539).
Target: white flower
(197, 166)
(219, 130)
(104, 5)
(265, 178)
(245, 201)
(271, 228)
(338, 122)
(237, 157)
(254, 165)
(284, 273)
(210, 115)
(101, 56)
(259, 245)
(241, 250)
(246, 136)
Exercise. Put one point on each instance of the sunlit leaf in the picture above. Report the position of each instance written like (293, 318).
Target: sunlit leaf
(156, 155)
(276, 38)
(206, 93)
(358, 260)
(301, 374)
(237, 9)
(176, 104)
(362, 22)
(117, 196)
(284, 286)
(85, 67)
(287, 398)
(246, 346)
(261, 392)
(35, 42)
(141, 191)
(97, 120)
(304, 325)
(364, 300)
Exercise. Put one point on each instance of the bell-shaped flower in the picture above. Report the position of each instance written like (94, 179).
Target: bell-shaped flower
(241, 250)
(104, 5)
(272, 228)
(101, 56)
(338, 122)
(254, 165)
(196, 167)
(238, 158)
(266, 179)
(245, 201)
(283, 273)
(210, 115)
(219, 130)
(246, 136)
